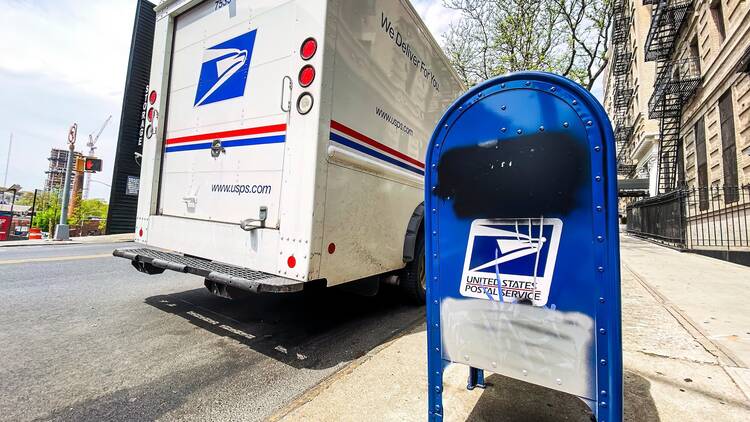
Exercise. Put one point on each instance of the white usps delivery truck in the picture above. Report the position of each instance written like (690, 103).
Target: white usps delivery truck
(284, 143)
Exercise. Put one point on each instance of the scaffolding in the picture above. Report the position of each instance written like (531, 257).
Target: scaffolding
(676, 81)
(622, 59)
(58, 161)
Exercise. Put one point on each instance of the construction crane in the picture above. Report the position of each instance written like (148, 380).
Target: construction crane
(92, 153)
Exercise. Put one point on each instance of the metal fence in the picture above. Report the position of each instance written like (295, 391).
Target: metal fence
(711, 218)
(660, 218)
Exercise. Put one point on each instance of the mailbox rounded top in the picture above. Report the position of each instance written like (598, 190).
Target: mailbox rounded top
(581, 100)
(535, 137)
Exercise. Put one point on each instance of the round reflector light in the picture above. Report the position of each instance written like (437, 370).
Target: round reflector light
(152, 97)
(150, 114)
(308, 49)
(331, 248)
(306, 76)
(304, 103)
(291, 261)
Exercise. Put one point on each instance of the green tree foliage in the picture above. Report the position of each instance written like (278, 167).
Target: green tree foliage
(25, 198)
(87, 209)
(567, 37)
(47, 211)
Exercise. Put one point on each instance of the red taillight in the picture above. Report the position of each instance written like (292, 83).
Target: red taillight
(140, 232)
(306, 76)
(291, 261)
(151, 114)
(152, 97)
(308, 49)
(331, 248)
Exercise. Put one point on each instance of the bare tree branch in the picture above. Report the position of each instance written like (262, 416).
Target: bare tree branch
(568, 37)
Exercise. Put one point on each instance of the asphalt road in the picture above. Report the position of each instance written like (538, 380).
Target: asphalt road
(83, 336)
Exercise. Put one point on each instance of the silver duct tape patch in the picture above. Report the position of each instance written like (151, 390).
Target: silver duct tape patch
(539, 345)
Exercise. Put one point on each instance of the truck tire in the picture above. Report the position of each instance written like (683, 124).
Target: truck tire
(413, 282)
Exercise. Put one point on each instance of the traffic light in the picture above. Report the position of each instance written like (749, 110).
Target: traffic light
(78, 166)
(92, 165)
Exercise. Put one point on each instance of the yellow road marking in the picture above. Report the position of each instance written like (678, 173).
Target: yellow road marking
(53, 258)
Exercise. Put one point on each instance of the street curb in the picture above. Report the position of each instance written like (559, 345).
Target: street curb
(50, 243)
(20, 243)
(313, 392)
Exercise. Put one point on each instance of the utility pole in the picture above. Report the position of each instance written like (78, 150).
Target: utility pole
(76, 194)
(62, 232)
(33, 209)
(7, 161)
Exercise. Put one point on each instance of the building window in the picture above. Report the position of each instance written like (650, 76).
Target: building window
(718, 14)
(728, 147)
(680, 163)
(696, 54)
(702, 163)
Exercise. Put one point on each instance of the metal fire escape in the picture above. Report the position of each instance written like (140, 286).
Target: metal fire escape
(623, 90)
(676, 81)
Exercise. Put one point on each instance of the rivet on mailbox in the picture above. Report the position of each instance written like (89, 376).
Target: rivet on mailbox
(520, 285)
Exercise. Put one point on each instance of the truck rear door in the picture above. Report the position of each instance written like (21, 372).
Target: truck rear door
(225, 128)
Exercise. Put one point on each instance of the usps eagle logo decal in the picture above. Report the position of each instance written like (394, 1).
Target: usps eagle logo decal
(511, 259)
(224, 70)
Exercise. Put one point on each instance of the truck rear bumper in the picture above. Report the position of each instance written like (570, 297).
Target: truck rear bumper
(230, 275)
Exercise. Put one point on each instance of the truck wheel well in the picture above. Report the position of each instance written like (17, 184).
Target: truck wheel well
(413, 229)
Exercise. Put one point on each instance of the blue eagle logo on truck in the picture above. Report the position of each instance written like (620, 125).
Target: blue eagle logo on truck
(224, 70)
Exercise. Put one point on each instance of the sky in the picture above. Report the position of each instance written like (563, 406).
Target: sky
(64, 61)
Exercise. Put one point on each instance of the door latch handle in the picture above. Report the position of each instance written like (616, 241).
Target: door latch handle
(190, 202)
(286, 86)
(250, 224)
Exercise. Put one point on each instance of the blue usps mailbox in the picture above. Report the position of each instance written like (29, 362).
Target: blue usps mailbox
(522, 241)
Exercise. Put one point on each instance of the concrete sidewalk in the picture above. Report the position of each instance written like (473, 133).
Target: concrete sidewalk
(711, 295)
(110, 238)
(684, 347)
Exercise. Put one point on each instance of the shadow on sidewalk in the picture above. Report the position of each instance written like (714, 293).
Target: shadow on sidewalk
(305, 330)
(639, 405)
(510, 400)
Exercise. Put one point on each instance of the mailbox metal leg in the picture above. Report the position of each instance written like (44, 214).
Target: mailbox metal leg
(476, 378)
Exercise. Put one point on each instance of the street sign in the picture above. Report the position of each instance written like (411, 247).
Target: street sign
(522, 241)
(72, 133)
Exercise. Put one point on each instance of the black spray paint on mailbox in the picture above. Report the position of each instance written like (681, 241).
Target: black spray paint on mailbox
(529, 175)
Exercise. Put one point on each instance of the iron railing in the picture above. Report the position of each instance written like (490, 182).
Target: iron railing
(660, 218)
(710, 218)
(667, 18)
(620, 25)
(718, 217)
(675, 83)
(622, 59)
